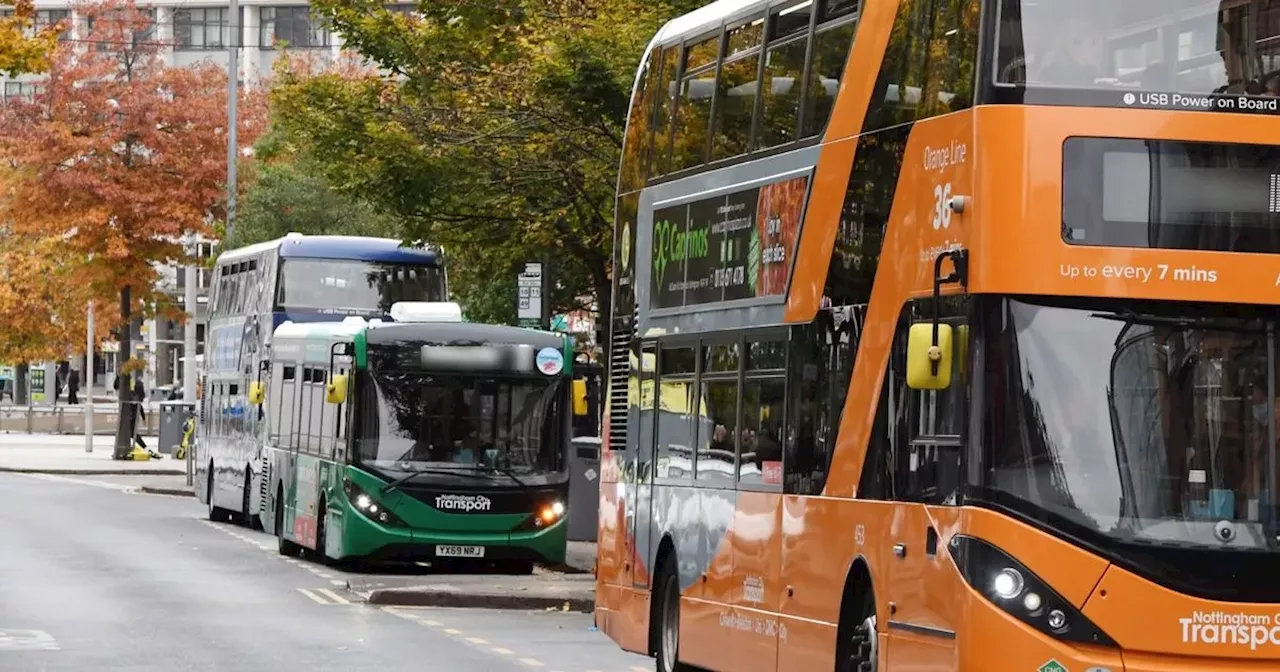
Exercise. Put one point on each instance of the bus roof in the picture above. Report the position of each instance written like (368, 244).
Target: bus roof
(460, 333)
(355, 248)
(343, 330)
(703, 19)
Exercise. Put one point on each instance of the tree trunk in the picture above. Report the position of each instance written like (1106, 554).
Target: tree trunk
(21, 390)
(124, 428)
(604, 314)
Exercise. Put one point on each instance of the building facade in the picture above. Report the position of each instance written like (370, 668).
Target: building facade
(191, 33)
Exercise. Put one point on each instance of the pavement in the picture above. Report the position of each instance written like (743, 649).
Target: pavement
(62, 454)
(97, 576)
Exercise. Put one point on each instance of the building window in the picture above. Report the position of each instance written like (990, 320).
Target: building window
(20, 90)
(110, 31)
(207, 28)
(292, 25)
(46, 18)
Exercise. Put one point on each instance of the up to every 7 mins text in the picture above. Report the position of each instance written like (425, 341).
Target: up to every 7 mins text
(1139, 273)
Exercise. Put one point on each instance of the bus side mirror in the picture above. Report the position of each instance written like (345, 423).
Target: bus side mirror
(929, 366)
(336, 391)
(257, 393)
(579, 397)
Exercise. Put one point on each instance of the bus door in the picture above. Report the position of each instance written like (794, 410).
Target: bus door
(923, 582)
(311, 401)
(638, 474)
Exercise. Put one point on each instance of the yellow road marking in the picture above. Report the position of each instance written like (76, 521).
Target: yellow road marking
(312, 595)
(333, 596)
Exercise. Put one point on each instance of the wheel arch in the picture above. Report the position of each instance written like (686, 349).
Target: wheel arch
(858, 585)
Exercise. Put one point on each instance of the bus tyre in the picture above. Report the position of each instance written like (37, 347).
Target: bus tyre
(321, 556)
(250, 519)
(668, 615)
(283, 546)
(216, 514)
(858, 643)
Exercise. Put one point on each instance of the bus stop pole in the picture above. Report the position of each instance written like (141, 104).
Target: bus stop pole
(88, 382)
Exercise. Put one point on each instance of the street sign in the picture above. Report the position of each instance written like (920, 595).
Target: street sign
(529, 294)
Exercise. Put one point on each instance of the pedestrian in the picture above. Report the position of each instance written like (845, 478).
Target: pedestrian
(136, 411)
(73, 386)
(139, 405)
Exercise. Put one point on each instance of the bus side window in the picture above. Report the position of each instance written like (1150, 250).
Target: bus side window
(922, 437)
(284, 407)
(310, 412)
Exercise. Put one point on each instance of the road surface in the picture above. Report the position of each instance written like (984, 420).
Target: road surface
(93, 577)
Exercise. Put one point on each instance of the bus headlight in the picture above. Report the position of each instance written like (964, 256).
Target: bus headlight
(1008, 584)
(368, 507)
(548, 514)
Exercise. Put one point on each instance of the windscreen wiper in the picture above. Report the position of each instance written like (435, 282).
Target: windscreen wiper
(419, 472)
(1213, 324)
(505, 471)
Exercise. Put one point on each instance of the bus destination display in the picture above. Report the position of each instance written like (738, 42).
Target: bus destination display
(729, 247)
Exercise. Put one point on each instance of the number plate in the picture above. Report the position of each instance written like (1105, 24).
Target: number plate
(460, 551)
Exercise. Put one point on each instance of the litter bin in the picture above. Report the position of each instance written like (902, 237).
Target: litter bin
(172, 416)
(584, 488)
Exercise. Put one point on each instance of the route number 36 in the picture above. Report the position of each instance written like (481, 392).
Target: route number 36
(942, 206)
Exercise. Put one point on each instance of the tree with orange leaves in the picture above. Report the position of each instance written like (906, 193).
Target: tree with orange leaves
(117, 157)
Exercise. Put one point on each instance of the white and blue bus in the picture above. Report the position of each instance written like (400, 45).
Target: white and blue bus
(257, 288)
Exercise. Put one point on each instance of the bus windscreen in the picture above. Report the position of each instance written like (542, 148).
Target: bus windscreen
(355, 287)
(422, 420)
(1205, 47)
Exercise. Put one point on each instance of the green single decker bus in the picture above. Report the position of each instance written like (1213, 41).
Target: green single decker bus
(421, 439)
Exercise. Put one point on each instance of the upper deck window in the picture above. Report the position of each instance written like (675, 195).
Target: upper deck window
(1183, 46)
(761, 82)
(745, 37)
(358, 287)
(790, 21)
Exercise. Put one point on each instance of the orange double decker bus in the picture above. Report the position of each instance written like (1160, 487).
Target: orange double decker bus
(945, 338)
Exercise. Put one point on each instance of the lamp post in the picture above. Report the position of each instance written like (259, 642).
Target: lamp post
(88, 382)
(233, 93)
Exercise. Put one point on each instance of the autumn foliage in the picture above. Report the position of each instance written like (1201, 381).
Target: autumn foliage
(115, 158)
(23, 49)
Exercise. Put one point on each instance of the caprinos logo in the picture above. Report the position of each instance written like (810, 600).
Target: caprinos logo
(463, 503)
(671, 245)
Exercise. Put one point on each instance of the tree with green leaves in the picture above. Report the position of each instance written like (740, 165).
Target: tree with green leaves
(294, 195)
(496, 134)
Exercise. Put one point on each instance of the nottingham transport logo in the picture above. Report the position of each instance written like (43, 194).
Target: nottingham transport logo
(1220, 628)
(463, 503)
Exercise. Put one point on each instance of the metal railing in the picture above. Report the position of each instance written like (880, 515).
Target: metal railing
(68, 420)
